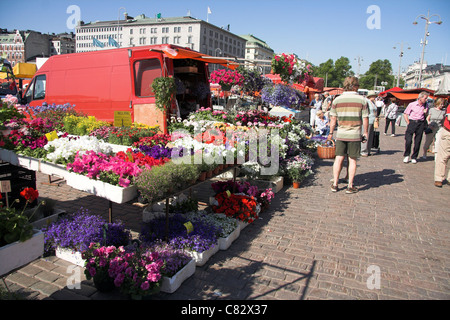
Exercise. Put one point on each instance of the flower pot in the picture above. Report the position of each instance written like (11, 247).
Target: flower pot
(226, 87)
(296, 184)
(171, 284)
(209, 174)
(103, 282)
(220, 166)
(17, 254)
(202, 176)
(216, 171)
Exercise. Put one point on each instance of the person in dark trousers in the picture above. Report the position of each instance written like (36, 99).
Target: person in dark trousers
(415, 115)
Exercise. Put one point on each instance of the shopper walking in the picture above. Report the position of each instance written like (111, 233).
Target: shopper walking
(435, 120)
(367, 145)
(414, 115)
(350, 110)
(391, 116)
(443, 153)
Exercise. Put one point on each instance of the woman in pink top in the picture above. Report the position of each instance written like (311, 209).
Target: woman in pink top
(415, 115)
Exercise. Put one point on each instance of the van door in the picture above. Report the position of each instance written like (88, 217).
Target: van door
(144, 70)
(36, 91)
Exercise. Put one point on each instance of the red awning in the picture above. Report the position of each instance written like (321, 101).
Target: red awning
(181, 53)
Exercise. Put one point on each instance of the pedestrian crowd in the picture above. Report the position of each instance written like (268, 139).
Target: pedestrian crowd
(356, 119)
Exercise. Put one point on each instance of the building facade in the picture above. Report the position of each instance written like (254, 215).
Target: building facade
(432, 76)
(258, 54)
(62, 44)
(186, 31)
(26, 46)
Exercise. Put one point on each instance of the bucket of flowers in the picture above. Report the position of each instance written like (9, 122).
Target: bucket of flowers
(298, 168)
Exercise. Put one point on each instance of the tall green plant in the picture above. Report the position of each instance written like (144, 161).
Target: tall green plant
(164, 88)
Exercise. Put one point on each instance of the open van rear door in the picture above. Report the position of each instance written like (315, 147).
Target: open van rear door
(146, 65)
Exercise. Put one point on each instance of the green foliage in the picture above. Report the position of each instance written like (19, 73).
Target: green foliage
(164, 88)
(379, 71)
(8, 112)
(334, 72)
(14, 226)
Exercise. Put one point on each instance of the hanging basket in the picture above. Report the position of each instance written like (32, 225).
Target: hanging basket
(325, 151)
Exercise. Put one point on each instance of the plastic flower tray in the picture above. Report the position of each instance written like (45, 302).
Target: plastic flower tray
(170, 285)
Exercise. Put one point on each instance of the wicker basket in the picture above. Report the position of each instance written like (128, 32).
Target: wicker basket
(325, 151)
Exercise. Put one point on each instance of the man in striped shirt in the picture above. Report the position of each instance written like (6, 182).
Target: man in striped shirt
(350, 112)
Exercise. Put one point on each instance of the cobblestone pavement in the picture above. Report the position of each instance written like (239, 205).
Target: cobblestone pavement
(310, 244)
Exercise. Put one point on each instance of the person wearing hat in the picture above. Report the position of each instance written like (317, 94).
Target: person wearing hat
(366, 146)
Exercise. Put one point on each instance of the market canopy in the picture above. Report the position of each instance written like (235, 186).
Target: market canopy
(394, 89)
(444, 86)
(181, 53)
(24, 70)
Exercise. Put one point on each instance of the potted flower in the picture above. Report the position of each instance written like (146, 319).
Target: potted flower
(19, 242)
(226, 78)
(136, 272)
(72, 234)
(289, 67)
(298, 168)
(164, 88)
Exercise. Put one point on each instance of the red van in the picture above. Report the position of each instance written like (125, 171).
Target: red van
(101, 82)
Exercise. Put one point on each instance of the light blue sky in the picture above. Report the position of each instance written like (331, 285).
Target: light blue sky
(316, 29)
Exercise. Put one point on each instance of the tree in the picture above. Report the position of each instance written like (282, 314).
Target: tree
(334, 73)
(379, 71)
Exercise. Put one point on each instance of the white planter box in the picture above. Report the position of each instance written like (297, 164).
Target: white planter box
(101, 189)
(70, 256)
(41, 223)
(9, 156)
(225, 243)
(170, 285)
(202, 257)
(49, 168)
(17, 254)
(28, 162)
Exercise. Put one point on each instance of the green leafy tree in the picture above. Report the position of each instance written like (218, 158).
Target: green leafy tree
(379, 71)
(334, 73)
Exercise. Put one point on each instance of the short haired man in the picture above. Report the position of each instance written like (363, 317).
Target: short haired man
(350, 110)
(415, 115)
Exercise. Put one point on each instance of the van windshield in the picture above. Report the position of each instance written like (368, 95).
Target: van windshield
(145, 71)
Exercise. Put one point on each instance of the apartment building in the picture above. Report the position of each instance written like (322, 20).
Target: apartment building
(185, 31)
(258, 54)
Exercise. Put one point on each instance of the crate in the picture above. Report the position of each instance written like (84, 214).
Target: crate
(20, 178)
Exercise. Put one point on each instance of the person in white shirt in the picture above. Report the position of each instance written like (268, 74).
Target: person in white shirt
(390, 114)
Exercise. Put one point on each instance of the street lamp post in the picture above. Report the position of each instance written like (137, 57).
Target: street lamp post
(428, 21)
(400, 62)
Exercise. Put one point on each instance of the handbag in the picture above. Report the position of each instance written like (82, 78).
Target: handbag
(428, 130)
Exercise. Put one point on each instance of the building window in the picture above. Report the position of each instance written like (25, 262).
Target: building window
(153, 40)
(176, 29)
(165, 30)
(190, 29)
(165, 40)
(176, 40)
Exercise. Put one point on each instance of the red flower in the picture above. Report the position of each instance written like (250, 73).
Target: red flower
(29, 194)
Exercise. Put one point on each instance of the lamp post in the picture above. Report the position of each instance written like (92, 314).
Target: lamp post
(400, 62)
(359, 64)
(427, 18)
